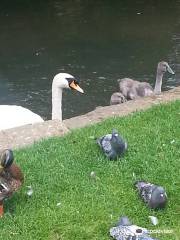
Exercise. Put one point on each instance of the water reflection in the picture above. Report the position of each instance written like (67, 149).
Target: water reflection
(97, 41)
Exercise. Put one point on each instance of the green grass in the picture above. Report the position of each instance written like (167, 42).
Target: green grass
(59, 170)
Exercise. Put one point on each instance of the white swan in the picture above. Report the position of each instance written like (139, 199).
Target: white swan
(14, 116)
(132, 89)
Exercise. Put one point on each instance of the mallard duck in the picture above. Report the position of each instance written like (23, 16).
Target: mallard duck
(132, 89)
(11, 177)
(153, 195)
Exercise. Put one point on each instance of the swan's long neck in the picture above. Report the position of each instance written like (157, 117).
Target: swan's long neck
(56, 102)
(158, 84)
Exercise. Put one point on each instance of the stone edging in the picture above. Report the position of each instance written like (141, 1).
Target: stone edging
(28, 134)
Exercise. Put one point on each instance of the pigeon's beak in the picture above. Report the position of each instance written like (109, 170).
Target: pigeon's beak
(76, 87)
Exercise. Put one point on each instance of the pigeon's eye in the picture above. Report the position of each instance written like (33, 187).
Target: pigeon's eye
(116, 135)
(139, 230)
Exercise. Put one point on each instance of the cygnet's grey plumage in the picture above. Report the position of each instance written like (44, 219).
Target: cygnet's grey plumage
(126, 231)
(117, 98)
(153, 195)
(4, 189)
(132, 89)
(113, 145)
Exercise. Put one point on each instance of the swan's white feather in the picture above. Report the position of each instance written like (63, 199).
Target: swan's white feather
(14, 116)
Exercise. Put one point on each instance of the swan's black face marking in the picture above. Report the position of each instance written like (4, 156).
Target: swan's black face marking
(74, 84)
(72, 80)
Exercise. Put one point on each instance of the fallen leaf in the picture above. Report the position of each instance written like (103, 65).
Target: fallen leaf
(29, 191)
(154, 220)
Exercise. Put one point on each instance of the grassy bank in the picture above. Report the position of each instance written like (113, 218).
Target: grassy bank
(59, 172)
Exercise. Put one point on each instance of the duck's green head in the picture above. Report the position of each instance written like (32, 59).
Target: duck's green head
(6, 159)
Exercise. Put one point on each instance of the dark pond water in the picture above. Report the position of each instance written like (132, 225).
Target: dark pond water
(96, 41)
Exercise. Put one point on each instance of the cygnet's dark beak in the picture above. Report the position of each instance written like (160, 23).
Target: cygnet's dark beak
(170, 70)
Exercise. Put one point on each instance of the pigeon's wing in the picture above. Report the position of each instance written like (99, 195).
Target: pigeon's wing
(120, 233)
(146, 192)
(104, 142)
(119, 145)
(107, 147)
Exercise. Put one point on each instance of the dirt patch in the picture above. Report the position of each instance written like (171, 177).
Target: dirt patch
(28, 134)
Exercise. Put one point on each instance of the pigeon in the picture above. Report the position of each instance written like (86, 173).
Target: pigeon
(125, 230)
(153, 195)
(113, 145)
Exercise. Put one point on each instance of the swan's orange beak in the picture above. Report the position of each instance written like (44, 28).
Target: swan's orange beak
(76, 87)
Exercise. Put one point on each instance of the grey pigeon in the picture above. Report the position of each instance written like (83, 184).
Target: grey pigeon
(113, 145)
(127, 231)
(153, 195)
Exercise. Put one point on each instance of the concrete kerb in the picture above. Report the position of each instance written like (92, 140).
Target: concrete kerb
(29, 134)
